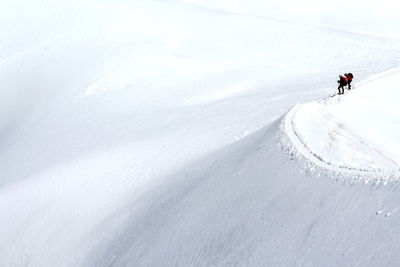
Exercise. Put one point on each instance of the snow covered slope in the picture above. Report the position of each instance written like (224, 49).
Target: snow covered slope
(249, 205)
(377, 17)
(147, 133)
(355, 133)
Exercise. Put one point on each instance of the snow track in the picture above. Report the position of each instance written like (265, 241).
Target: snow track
(326, 141)
(301, 146)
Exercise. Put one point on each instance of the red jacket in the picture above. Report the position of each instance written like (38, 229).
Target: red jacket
(349, 77)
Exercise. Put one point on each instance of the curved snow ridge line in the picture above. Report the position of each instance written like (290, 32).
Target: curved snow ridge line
(300, 146)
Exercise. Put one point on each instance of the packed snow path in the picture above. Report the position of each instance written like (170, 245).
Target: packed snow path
(356, 133)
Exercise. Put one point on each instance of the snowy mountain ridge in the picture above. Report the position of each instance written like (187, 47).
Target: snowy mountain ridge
(333, 134)
(147, 133)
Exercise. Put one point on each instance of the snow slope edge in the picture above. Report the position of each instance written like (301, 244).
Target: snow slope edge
(292, 139)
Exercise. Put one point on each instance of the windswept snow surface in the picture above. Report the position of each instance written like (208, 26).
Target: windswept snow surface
(357, 131)
(147, 133)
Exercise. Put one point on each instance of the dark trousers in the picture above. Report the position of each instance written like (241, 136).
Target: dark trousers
(341, 91)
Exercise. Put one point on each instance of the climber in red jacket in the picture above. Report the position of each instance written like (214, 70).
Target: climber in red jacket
(349, 77)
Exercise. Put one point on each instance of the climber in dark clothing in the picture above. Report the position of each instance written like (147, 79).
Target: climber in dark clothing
(342, 83)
